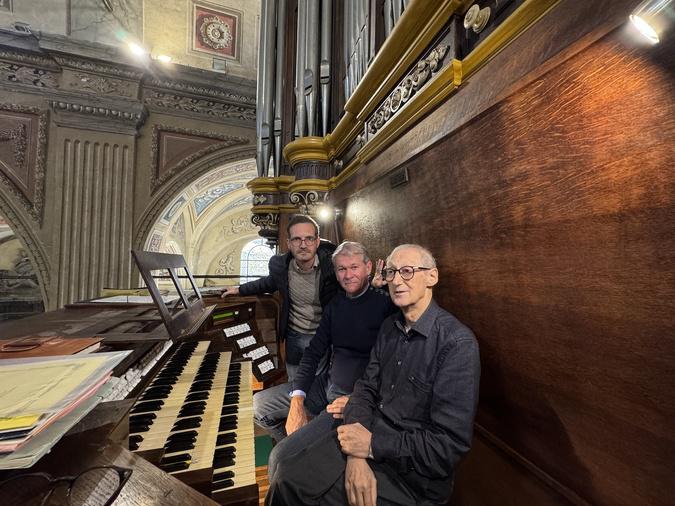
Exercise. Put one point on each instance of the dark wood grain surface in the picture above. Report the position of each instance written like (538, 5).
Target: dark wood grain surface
(551, 216)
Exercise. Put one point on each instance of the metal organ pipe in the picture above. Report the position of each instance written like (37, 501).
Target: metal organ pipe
(268, 85)
(311, 74)
(299, 69)
(279, 84)
(325, 73)
(259, 90)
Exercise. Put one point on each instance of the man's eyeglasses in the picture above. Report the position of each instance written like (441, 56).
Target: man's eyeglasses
(407, 272)
(297, 241)
(96, 486)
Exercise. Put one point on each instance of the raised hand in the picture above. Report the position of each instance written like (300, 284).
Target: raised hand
(378, 281)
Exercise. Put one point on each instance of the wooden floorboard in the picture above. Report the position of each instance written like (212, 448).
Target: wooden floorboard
(262, 481)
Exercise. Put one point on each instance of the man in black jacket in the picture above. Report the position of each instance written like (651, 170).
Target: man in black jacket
(306, 280)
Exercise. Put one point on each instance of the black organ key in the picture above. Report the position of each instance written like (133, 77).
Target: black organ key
(223, 461)
(224, 475)
(226, 451)
(225, 439)
(229, 410)
(197, 396)
(143, 417)
(187, 423)
(198, 386)
(179, 446)
(188, 435)
(174, 459)
(172, 468)
(147, 406)
(230, 399)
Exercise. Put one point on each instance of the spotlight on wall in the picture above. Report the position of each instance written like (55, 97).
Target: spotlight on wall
(136, 49)
(652, 18)
(164, 58)
(325, 213)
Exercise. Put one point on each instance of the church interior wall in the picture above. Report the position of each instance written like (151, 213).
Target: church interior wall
(549, 213)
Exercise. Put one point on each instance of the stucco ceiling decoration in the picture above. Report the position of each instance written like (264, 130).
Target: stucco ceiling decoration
(173, 149)
(194, 222)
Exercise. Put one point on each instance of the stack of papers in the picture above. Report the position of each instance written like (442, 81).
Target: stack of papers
(36, 393)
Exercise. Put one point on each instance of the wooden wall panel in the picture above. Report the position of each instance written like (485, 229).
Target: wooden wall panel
(551, 216)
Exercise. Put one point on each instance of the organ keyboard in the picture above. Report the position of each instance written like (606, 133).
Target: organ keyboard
(195, 421)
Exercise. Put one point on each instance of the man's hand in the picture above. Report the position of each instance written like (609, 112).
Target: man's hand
(360, 483)
(354, 440)
(337, 407)
(297, 417)
(378, 281)
(230, 290)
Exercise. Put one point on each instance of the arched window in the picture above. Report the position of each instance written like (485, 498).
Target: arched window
(255, 256)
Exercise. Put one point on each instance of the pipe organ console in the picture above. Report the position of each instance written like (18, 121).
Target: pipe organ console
(187, 387)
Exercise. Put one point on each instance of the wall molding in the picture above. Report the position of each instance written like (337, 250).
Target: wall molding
(35, 250)
(223, 141)
(33, 204)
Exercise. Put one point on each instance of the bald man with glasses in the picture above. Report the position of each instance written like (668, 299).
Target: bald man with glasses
(306, 281)
(410, 417)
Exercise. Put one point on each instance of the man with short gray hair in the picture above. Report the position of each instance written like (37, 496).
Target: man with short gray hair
(347, 331)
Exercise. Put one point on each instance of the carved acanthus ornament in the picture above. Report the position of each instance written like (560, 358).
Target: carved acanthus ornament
(32, 76)
(410, 85)
(101, 85)
(186, 104)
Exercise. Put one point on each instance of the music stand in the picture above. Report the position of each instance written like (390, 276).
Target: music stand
(187, 321)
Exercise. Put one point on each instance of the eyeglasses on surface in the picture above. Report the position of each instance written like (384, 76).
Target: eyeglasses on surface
(96, 486)
(407, 272)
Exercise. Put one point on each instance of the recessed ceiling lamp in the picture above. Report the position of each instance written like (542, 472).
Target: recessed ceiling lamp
(652, 18)
(164, 58)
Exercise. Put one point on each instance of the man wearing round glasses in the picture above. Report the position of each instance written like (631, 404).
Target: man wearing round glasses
(306, 281)
(410, 417)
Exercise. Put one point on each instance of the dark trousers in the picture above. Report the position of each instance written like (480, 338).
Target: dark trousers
(316, 476)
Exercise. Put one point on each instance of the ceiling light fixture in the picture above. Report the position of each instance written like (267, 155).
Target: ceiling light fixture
(652, 18)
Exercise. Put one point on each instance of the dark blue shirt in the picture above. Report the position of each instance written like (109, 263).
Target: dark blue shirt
(418, 397)
(350, 326)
